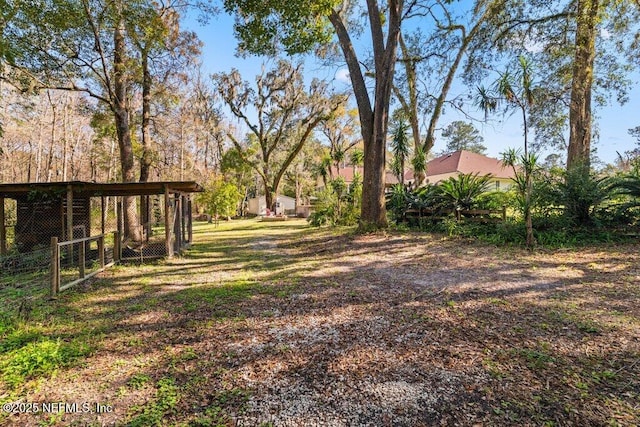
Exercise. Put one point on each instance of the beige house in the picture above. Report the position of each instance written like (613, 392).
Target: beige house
(467, 162)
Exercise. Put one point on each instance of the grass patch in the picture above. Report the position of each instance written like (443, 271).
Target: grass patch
(181, 341)
(216, 415)
(162, 405)
(41, 358)
(216, 295)
(138, 381)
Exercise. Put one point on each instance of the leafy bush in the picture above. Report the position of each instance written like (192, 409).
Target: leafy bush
(629, 185)
(339, 204)
(581, 192)
(220, 198)
(398, 202)
(495, 200)
(461, 192)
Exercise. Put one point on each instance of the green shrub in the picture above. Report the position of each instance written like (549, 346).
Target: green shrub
(495, 200)
(398, 202)
(461, 192)
(581, 191)
(339, 204)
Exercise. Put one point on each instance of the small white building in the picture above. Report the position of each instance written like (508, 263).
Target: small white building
(284, 205)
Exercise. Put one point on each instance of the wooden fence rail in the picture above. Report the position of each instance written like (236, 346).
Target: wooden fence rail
(55, 269)
(478, 215)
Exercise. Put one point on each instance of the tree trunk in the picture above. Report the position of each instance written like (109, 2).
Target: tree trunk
(411, 106)
(374, 120)
(121, 115)
(269, 196)
(38, 175)
(145, 161)
(53, 138)
(65, 139)
(579, 152)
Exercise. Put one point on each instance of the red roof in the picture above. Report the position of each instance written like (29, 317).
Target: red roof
(347, 173)
(466, 162)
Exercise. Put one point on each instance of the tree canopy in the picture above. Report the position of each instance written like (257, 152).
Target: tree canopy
(463, 136)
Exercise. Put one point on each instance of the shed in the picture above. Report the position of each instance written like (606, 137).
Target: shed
(284, 205)
(63, 210)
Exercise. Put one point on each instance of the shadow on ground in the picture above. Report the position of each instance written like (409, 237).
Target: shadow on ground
(280, 324)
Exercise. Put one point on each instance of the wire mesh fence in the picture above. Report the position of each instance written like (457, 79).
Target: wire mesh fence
(24, 276)
(77, 260)
(91, 233)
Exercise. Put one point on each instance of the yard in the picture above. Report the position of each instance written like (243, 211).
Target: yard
(281, 324)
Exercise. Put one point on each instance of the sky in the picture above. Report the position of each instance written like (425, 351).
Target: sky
(218, 55)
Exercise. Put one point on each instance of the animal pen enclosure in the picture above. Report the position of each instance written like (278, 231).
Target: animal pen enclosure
(31, 215)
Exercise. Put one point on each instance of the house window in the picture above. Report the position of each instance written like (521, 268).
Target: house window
(497, 185)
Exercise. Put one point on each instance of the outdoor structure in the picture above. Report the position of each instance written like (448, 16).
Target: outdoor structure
(64, 210)
(285, 205)
(467, 162)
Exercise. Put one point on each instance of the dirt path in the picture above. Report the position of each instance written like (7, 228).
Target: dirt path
(277, 324)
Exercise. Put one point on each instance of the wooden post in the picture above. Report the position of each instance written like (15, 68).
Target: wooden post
(119, 216)
(190, 217)
(457, 214)
(167, 223)
(70, 219)
(101, 250)
(117, 247)
(103, 218)
(183, 217)
(147, 216)
(3, 230)
(504, 213)
(81, 259)
(177, 233)
(69, 212)
(54, 268)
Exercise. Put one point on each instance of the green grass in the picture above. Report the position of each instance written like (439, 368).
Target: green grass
(163, 404)
(40, 358)
(173, 343)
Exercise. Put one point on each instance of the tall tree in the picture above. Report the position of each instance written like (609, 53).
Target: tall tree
(463, 136)
(339, 131)
(516, 90)
(299, 26)
(435, 58)
(287, 115)
(400, 148)
(86, 46)
(163, 50)
(80, 47)
(580, 121)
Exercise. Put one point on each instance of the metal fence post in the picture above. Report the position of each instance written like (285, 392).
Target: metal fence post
(55, 267)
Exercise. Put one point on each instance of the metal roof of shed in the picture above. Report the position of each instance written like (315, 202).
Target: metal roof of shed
(94, 189)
